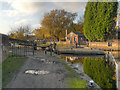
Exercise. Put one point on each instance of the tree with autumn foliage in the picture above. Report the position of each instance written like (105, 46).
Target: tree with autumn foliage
(20, 33)
(57, 21)
(19, 36)
(76, 27)
(42, 33)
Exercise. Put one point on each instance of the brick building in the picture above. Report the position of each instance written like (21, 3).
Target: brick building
(75, 37)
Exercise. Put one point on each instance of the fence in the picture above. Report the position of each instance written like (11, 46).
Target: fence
(21, 48)
(3, 47)
(105, 45)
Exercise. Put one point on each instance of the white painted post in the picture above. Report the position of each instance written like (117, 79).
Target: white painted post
(116, 75)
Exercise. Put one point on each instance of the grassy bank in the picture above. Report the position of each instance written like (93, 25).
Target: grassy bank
(76, 83)
(73, 79)
(9, 68)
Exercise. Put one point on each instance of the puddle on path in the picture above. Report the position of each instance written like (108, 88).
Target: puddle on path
(36, 72)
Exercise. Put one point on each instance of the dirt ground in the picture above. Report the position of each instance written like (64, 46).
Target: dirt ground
(54, 79)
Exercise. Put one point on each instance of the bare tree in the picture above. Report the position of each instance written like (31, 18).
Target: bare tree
(26, 30)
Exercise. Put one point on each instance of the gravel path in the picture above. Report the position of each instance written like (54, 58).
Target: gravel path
(54, 79)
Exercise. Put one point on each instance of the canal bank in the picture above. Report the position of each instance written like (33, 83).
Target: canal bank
(80, 74)
(115, 61)
(74, 60)
(119, 75)
(80, 51)
(71, 54)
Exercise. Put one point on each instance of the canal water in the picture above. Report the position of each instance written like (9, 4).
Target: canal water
(96, 67)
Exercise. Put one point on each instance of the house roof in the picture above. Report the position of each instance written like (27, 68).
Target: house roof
(79, 34)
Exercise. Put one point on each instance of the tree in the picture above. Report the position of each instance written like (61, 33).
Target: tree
(20, 32)
(42, 33)
(76, 27)
(57, 21)
(99, 20)
(19, 36)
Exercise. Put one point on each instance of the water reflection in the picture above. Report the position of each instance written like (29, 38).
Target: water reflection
(96, 67)
(116, 54)
(77, 61)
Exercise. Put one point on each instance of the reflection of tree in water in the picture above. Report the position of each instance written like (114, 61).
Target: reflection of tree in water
(77, 61)
(101, 74)
(72, 59)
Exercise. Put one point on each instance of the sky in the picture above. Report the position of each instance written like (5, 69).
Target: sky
(15, 13)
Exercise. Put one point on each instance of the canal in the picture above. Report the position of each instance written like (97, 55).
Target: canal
(96, 67)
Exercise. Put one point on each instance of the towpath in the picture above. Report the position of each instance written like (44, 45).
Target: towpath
(56, 78)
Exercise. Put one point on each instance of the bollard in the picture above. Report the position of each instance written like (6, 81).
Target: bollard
(33, 49)
(58, 53)
(51, 50)
(45, 52)
(12, 51)
(24, 50)
(76, 45)
(20, 51)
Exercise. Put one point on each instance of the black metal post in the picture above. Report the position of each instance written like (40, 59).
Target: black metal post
(45, 51)
(51, 49)
(12, 51)
(20, 50)
(33, 48)
(24, 50)
(17, 50)
(76, 44)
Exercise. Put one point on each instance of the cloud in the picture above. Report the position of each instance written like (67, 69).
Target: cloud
(10, 13)
(71, 6)
(23, 8)
(20, 12)
(23, 21)
(46, 0)
(36, 26)
(29, 7)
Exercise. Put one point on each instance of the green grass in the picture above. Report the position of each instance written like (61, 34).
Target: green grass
(9, 66)
(0, 75)
(13, 54)
(73, 79)
(76, 83)
(41, 45)
(40, 52)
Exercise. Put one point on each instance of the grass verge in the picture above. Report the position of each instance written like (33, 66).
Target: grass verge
(73, 79)
(9, 67)
(76, 83)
